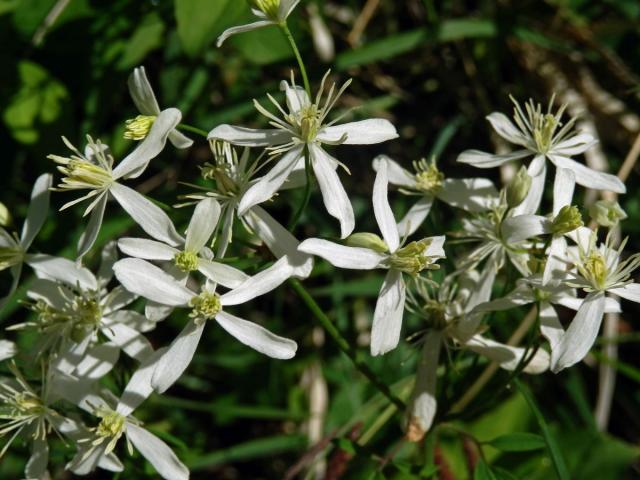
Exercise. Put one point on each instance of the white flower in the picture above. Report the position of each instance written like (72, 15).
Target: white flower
(151, 282)
(8, 349)
(372, 252)
(269, 12)
(232, 177)
(600, 269)
(299, 136)
(145, 101)
(428, 183)
(13, 250)
(545, 137)
(94, 171)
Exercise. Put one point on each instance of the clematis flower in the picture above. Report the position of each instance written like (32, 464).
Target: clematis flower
(13, 250)
(299, 136)
(429, 183)
(543, 136)
(151, 282)
(269, 12)
(145, 101)
(94, 171)
(8, 349)
(600, 269)
(371, 252)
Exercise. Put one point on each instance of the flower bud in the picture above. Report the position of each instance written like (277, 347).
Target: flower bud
(518, 188)
(607, 213)
(5, 216)
(567, 220)
(367, 240)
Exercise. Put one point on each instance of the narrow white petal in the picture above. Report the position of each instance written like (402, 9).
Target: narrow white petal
(108, 257)
(521, 295)
(249, 137)
(88, 237)
(157, 453)
(481, 159)
(225, 275)
(259, 284)
(172, 364)
(146, 214)
(341, 256)
(7, 349)
(257, 337)
(436, 246)
(396, 174)
(382, 210)
(86, 460)
(134, 320)
(630, 292)
(516, 229)
(36, 468)
(387, 318)
(506, 129)
(581, 334)
(132, 342)
(538, 171)
(415, 216)
(203, 223)
(268, 185)
(62, 270)
(556, 258)
(286, 7)
(563, 187)
(470, 194)
(587, 177)
(179, 140)
(147, 249)
(149, 281)
(38, 209)
(364, 132)
(575, 145)
(241, 29)
(96, 362)
(551, 328)
(335, 198)
(142, 93)
(136, 162)
(507, 356)
(296, 97)
(581, 236)
(139, 387)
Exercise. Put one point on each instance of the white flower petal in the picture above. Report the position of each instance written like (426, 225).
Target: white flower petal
(146, 214)
(170, 367)
(341, 256)
(147, 249)
(589, 178)
(364, 132)
(62, 270)
(286, 7)
(179, 140)
(139, 387)
(415, 216)
(538, 171)
(249, 137)
(481, 159)
(142, 93)
(335, 198)
(506, 129)
(86, 460)
(436, 246)
(517, 229)
(132, 342)
(396, 174)
(149, 281)
(137, 161)
(225, 275)
(556, 258)
(134, 320)
(257, 337)
(551, 328)
(521, 295)
(88, 237)
(36, 468)
(387, 318)
(96, 362)
(581, 334)
(507, 356)
(575, 145)
(268, 185)
(38, 210)
(7, 349)
(563, 187)
(296, 97)
(241, 29)
(203, 223)
(382, 210)
(259, 284)
(630, 292)
(157, 453)
(470, 194)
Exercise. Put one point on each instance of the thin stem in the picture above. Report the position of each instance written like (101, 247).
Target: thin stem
(307, 192)
(296, 52)
(343, 344)
(196, 130)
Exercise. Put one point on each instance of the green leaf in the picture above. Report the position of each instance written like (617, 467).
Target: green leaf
(147, 37)
(517, 442)
(483, 472)
(263, 46)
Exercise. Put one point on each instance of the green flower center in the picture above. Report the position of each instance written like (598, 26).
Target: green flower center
(10, 256)
(543, 129)
(411, 258)
(205, 306)
(308, 120)
(428, 178)
(435, 314)
(79, 173)
(595, 269)
(269, 7)
(138, 128)
(186, 261)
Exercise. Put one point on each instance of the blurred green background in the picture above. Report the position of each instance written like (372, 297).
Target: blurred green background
(435, 69)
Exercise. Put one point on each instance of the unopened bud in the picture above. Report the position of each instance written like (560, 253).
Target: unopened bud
(518, 188)
(607, 213)
(367, 240)
(5, 216)
(567, 220)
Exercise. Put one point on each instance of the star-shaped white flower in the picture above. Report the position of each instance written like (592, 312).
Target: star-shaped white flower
(375, 253)
(299, 134)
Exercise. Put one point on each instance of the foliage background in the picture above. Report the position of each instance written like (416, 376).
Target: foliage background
(435, 69)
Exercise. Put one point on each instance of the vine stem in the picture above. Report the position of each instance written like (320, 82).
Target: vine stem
(343, 344)
(196, 130)
(296, 52)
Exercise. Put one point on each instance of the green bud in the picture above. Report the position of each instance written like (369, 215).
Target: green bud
(518, 188)
(5, 216)
(567, 220)
(607, 213)
(367, 240)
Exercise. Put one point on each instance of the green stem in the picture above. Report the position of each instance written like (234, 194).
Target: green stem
(196, 130)
(343, 344)
(307, 192)
(296, 52)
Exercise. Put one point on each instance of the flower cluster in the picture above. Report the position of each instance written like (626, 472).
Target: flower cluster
(83, 321)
